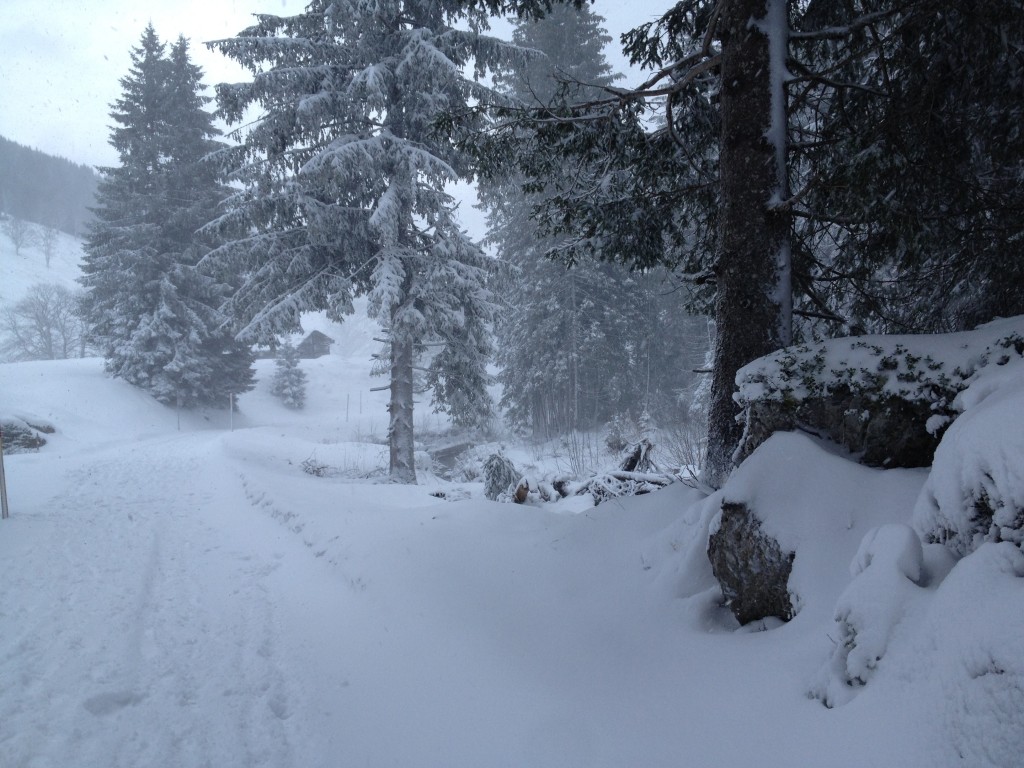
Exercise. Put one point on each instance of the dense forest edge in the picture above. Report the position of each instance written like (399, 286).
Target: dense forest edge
(45, 189)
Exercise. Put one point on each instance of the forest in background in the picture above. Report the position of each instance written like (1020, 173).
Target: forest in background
(44, 189)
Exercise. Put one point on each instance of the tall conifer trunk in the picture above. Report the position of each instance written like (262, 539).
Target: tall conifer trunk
(753, 235)
(400, 429)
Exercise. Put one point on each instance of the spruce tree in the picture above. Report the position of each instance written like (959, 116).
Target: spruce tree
(343, 190)
(289, 382)
(577, 346)
(150, 311)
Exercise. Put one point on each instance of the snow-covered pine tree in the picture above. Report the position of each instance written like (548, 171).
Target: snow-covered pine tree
(576, 346)
(289, 382)
(343, 189)
(152, 314)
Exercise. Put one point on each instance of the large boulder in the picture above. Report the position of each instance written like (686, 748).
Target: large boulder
(750, 566)
(885, 399)
(790, 518)
(880, 432)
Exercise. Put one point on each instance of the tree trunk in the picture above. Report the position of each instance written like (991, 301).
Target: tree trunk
(400, 430)
(753, 235)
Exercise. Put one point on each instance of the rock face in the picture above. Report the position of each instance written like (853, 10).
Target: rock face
(888, 432)
(750, 566)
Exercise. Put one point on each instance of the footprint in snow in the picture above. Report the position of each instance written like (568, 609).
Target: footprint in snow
(107, 703)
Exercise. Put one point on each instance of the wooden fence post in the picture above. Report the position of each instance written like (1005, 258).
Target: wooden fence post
(4, 514)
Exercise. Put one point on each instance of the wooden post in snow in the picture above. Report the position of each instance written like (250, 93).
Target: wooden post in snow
(4, 513)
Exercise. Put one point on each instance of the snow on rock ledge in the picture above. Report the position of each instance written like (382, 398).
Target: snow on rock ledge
(884, 398)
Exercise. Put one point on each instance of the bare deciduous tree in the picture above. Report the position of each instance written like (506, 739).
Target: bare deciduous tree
(48, 241)
(44, 325)
(20, 233)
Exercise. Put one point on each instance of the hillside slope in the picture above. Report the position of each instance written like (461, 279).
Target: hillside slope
(21, 272)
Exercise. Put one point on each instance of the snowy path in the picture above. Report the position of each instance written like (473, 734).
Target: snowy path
(194, 599)
(167, 607)
(166, 643)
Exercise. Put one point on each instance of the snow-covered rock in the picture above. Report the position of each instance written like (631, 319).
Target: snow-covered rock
(750, 566)
(885, 399)
(818, 506)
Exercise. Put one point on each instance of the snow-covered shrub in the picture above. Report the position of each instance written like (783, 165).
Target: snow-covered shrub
(886, 572)
(500, 476)
(289, 381)
(315, 467)
(582, 452)
(468, 467)
(975, 490)
(22, 435)
(682, 449)
(614, 435)
(423, 460)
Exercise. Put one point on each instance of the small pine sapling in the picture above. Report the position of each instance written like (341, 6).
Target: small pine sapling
(289, 382)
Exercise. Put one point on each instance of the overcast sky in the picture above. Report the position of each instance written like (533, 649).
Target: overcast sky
(61, 61)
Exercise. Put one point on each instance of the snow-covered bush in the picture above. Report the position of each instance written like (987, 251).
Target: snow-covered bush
(886, 571)
(682, 449)
(22, 435)
(315, 467)
(289, 382)
(615, 434)
(500, 476)
(972, 641)
(975, 491)
(468, 467)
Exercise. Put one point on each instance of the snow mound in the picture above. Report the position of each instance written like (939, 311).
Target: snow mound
(972, 646)
(821, 514)
(975, 491)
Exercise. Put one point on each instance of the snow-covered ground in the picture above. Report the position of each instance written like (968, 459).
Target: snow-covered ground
(176, 591)
(19, 272)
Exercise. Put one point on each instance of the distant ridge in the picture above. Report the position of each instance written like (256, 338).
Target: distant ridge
(45, 189)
